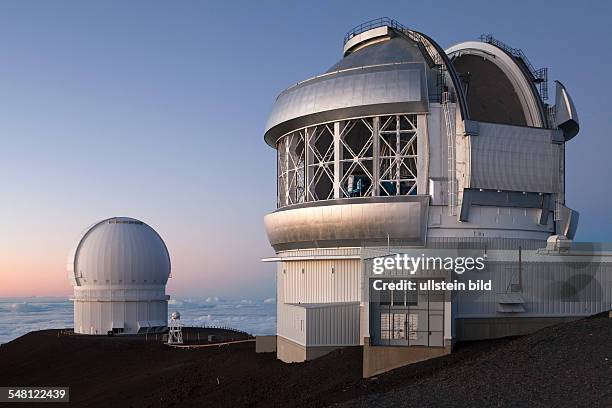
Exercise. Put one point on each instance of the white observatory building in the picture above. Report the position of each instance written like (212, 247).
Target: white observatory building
(404, 147)
(119, 269)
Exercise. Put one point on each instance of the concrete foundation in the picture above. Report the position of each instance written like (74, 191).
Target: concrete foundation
(265, 344)
(379, 359)
(291, 352)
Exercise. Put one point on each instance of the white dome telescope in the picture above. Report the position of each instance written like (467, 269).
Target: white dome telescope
(119, 269)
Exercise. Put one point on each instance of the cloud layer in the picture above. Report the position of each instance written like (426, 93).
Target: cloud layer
(22, 315)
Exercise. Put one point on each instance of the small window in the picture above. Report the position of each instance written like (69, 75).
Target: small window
(385, 323)
(399, 326)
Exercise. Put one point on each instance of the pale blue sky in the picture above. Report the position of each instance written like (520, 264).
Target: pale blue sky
(156, 110)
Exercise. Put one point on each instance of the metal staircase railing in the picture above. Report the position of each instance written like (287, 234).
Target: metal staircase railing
(452, 162)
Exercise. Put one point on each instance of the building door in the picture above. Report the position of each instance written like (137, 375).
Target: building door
(407, 318)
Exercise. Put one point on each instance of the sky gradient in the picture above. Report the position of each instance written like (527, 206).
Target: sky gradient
(155, 110)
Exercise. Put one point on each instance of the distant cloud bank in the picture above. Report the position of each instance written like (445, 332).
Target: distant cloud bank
(23, 315)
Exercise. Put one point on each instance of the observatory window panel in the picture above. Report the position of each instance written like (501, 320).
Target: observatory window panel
(399, 325)
(291, 169)
(397, 155)
(413, 326)
(356, 158)
(385, 326)
(337, 160)
(320, 166)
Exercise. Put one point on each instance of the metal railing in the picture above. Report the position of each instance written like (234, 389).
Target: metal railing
(389, 22)
(452, 161)
(540, 76)
(429, 52)
(375, 23)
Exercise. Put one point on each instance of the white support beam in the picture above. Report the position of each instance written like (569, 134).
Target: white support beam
(423, 155)
(376, 156)
(308, 161)
(398, 160)
(337, 158)
(286, 169)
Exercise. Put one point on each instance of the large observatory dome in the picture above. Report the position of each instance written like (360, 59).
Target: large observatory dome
(401, 141)
(403, 145)
(119, 269)
(120, 250)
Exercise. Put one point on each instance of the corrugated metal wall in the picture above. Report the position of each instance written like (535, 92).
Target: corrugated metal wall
(348, 251)
(483, 243)
(319, 281)
(322, 287)
(333, 325)
(548, 289)
(514, 158)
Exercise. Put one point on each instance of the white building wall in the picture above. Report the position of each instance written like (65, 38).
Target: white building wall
(118, 314)
(291, 323)
(99, 317)
(438, 147)
(548, 289)
(320, 281)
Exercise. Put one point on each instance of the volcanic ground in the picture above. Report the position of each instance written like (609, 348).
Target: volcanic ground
(568, 365)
